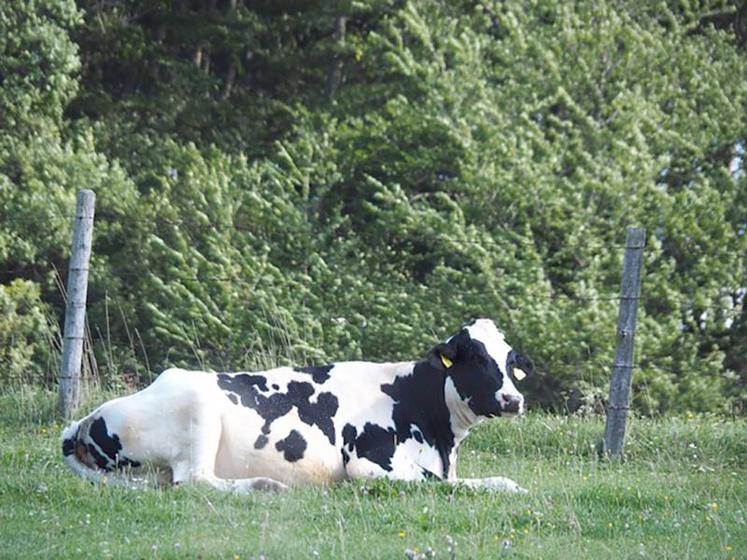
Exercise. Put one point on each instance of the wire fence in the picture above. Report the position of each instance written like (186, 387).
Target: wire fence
(34, 272)
(199, 225)
(103, 340)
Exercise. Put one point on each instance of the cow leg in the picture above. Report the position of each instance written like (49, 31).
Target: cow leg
(201, 471)
(258, 483)
(492, 483)
(242, 485)
(197, 465)
(362, 468)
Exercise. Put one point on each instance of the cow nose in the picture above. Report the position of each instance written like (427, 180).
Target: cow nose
(511, 403)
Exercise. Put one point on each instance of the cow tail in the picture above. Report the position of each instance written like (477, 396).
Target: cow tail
(76, 453)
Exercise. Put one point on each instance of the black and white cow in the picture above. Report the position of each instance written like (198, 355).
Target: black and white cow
(293, 426)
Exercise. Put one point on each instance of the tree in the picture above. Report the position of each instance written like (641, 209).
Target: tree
(296, 189)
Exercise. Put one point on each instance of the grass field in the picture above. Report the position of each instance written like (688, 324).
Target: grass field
(679, 494)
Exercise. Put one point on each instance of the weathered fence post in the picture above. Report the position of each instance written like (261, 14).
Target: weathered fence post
(75, 311)
(622, 372)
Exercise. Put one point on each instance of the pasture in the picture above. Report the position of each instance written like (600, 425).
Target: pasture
(680, 493)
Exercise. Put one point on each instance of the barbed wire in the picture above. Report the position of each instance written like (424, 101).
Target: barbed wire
(253, 283)
(113, 338)
(302, 228)
(134, 374)
(497, 292)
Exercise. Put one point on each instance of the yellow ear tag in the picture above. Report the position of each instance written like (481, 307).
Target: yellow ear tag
(446, 361)
(519, 374)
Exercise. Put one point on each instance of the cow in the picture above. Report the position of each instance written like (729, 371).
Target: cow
(288, 427)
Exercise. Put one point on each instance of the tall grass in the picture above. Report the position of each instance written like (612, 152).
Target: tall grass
(680, 493)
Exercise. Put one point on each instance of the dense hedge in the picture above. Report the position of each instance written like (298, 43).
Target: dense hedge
(305, 182)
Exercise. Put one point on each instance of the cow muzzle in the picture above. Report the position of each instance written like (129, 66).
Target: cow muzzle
(511, 404)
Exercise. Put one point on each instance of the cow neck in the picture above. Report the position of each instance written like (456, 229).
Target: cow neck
(419, 401)
(462, 417)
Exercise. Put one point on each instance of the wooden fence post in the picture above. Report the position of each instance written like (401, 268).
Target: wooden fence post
(622, 372)
(75, 311)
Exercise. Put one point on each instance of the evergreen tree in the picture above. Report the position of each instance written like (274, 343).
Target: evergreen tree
(309, 181)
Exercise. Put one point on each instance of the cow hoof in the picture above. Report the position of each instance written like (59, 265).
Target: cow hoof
(493, 484)
(503, 484)
(268, 485)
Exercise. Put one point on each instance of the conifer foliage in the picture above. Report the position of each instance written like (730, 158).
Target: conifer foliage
(312, 181)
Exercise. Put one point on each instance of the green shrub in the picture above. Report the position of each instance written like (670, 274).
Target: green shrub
(28, 338)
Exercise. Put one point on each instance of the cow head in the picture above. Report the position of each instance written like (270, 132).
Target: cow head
(480, 370)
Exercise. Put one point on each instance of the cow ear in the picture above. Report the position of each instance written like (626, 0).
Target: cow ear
(519, 365)
(443, 355)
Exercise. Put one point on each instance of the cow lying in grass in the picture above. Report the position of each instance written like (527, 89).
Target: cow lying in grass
(310, 425)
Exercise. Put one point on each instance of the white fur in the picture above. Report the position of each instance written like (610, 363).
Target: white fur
(183, 426)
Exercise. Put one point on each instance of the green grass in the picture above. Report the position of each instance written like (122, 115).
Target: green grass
(680, 494)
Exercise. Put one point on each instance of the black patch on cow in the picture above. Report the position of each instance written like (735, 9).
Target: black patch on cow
(68, 446)
(250, 389)
(319, 413)
(348, 436)
(276, 386)
(477, 378)
(108, 444)
(377, 445)
(292, 446)
(319, 374)
(419, 400)
(348, 440)
(125, 462)
(260, 442)
(429, 475)
(101, 461)
(241, 382)
(233, 398)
